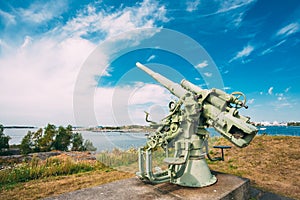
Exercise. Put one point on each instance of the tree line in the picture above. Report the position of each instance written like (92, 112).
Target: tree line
(48, 139)
(293, 123)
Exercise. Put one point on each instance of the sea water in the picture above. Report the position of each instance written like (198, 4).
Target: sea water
(109, 140)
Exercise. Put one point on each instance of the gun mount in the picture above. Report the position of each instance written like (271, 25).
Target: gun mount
(184, 128)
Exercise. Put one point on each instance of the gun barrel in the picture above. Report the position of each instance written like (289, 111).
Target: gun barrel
(174, 88)
(191, 87)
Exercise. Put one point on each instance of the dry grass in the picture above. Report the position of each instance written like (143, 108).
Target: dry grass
(270, 162)
(49, 178)
(57, 185)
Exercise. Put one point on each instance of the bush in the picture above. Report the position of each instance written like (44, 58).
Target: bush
(4, 139)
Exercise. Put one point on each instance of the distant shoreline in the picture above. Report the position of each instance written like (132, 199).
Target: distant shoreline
(19, 127)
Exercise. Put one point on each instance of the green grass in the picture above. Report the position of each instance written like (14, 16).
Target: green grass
(117, 157)
(37, 169)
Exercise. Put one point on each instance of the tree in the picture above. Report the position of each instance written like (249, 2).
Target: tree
(77, 142)
(54, 139)
(63, 138)
(27, 145)
(88, 145)
(46, 142)
(4, 139)
(36, 138)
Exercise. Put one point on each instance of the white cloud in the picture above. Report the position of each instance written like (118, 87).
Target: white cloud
(37, 78)
(208, 74)
(112, 24)
(270, 50)
(227, 88)
(151, 58)
(289, 29)
(149, 93)
(251, 101)
(9, 18)
(245, 52)
(202, 65)
(270, 91)
(227, 6)
(192, 5)
(27, 41)
(126, 104)
(37, 82)
(39, 12)
(287, 89)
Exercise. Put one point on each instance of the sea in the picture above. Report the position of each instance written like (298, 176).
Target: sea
(107, 141)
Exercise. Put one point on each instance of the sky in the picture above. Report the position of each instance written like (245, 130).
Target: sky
(73, 62)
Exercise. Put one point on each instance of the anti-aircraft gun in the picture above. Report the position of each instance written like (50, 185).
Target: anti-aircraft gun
(184, 128)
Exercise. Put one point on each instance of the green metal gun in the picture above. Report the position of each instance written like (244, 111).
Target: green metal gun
(184, 129)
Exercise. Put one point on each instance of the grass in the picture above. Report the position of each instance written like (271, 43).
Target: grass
(270, 162)
(37, 169)
(55, 175)
(55, 185)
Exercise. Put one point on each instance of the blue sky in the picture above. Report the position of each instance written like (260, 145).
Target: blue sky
(253, 45)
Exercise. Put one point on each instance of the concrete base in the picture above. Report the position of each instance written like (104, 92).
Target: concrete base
(228, 187)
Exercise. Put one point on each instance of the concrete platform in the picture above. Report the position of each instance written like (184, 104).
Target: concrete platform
(228, 187)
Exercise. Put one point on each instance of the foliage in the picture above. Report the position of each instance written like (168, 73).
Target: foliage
(63, 138)
(27, 145)
(53, 166)
(88, 146)
(53, 138)
(47, 141)
(293, 123)
(4, 139)
(77, 141)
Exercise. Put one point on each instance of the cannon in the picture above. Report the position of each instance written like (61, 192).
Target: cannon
(184, 131)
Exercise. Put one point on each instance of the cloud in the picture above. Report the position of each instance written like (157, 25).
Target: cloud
(227, 88)
(270, 91)
(143, 15)
(39, 12)
(233, 11)
(37, 81)
(227, 6)
(192, 5)
(150, 58)
(208, 74)
(289, 29)
(280, 96)
(9, 18)
(126, 104)
(287, 89)
(149, 93)
(270, 50)
(202, 65)
(251, 101)
(37, 77)
(27, 41)
(245, 52)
